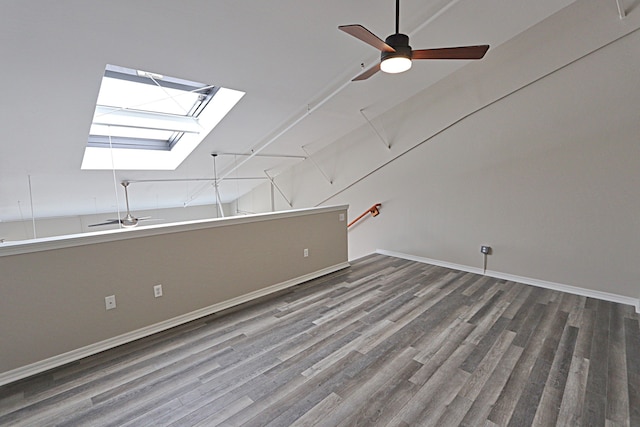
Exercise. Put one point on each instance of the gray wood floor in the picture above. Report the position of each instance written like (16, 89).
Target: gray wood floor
(384, 342)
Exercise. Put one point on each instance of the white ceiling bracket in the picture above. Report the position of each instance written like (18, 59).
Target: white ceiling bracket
(621, 10)
(273, 182)
(386, 144)
(317, 166)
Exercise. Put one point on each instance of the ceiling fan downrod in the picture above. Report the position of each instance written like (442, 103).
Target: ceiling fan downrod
(397, 16)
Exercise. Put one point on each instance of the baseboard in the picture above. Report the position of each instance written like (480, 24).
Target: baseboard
(72, 356)
(606, 296)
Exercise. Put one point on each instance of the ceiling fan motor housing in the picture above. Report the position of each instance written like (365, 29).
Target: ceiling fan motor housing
(400, 42)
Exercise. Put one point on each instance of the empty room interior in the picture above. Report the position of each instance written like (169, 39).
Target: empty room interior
(403, 213)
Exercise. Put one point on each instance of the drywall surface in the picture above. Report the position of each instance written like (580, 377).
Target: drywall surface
(53, 290)
(533, 152)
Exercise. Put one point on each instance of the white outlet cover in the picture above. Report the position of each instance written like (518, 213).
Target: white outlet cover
(110, 302)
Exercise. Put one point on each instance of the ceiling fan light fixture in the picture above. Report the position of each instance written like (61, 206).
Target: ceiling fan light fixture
(395, 64)
(396, 54)
(129, 221)
(398, 59)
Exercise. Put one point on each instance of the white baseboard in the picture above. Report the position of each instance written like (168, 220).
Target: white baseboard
(606, 296)
(72, 356)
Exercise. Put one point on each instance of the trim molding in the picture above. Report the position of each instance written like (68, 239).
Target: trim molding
(72, 356)
(606, 296)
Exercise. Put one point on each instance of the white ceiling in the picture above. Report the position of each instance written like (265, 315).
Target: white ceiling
(288, 56)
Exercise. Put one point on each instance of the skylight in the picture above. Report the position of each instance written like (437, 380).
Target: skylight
(147, 121)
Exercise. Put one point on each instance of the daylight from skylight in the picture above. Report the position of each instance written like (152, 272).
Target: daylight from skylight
(147, 121)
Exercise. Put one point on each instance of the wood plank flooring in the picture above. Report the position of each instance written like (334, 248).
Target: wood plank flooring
(384, 342)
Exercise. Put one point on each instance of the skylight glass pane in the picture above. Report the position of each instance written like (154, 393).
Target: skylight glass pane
(147, 97)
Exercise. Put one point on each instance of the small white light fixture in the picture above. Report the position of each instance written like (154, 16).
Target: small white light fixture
(395, 64)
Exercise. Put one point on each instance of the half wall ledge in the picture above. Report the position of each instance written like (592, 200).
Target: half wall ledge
(52, 309)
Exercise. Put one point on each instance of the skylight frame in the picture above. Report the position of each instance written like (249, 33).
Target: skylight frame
(125, 113)
(125, 153)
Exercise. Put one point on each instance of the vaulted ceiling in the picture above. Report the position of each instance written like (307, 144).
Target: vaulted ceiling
(288, 56)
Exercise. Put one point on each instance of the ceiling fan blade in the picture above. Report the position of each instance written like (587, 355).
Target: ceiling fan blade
(365, 75)
(107, 222)
(361, 33)
(462, 52)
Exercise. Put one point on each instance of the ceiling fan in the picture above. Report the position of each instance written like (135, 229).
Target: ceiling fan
(129, 220)
(396, 54)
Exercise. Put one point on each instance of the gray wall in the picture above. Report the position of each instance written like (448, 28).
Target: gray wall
(534, 151)
(53, 290)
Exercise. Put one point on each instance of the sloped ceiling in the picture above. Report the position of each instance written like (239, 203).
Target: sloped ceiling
(288, 56)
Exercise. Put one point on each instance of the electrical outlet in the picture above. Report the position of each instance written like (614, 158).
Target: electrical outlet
(110, 302)
(157, 291)
(305, 252)
(485, 250)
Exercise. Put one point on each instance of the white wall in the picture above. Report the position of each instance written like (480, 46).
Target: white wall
(534, 152)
